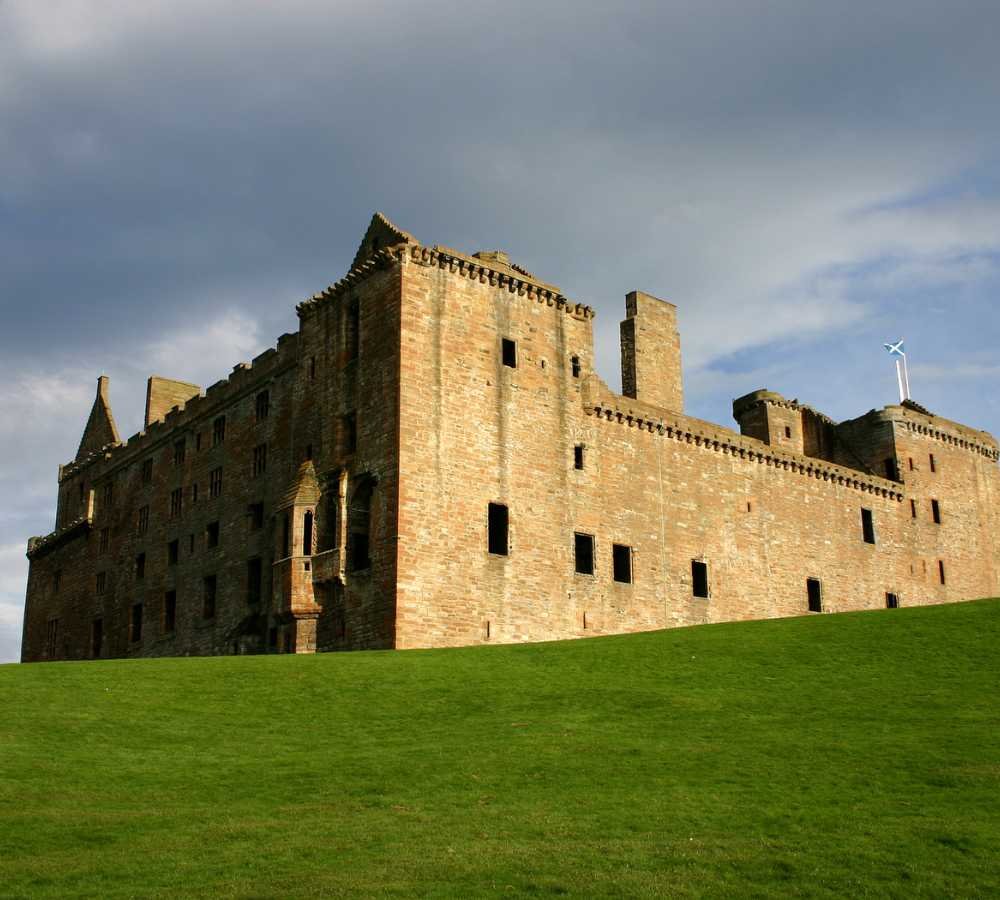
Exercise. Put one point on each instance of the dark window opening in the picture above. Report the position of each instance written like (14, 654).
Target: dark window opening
(497, 529)
(933, 463)
(815, 593)
(578, 456)
(255, 577)
(135, 623)
(208, 591)
(108, 495)
(51, 638)
(194, 492)
(191, 544)
(699, 578)
(936, 512)
(788, 431)
(96, 638)
(105, 539)
(259, 460)
(359, 525)
(262, 405)
(212, 534)
(910, 463)
(621, 558)
(312, 367)
(140, 566)
(891, 601)
(57, 580)
(197, 441)
(575, 363)
(941, 570)
(913, 509)
(309, 451)
(509, 353)
(218, 431)
(867, 526)
(349, 432)
(176, 501)
(102, 582)
(215, 482)
(142, 525)
(147, 471)
(256, 516)
(169, 611)
(891, 469)
(173, 552)
(583, 553)
(179, 452)
(353, 330)
(307, 533)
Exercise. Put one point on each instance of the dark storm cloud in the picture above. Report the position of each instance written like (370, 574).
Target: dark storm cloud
(801, 178)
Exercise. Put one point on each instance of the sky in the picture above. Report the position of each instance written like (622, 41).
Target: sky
(805, 180)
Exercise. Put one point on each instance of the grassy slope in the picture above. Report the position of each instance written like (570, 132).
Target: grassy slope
(821, 756)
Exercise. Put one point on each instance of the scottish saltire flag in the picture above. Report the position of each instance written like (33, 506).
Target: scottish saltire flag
(896, 348)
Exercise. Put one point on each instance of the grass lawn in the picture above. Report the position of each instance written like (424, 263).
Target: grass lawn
(856, 754)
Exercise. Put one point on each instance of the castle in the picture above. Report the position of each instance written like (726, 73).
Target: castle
(430, 460)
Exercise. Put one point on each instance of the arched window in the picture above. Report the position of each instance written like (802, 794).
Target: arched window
(359, 524)
(307, 533)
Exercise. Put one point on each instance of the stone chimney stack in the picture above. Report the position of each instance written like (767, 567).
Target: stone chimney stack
(651, 352)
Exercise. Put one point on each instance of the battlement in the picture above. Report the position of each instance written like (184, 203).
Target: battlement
(244, 378)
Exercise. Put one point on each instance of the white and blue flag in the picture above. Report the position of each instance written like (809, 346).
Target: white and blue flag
(895, 349)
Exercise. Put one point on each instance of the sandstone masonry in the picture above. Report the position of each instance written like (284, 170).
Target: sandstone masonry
(432, 461)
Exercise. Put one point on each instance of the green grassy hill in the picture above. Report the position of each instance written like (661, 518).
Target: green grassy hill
(825, 756)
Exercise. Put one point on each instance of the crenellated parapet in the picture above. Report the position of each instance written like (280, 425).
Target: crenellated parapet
(40, 546)
(244, 379)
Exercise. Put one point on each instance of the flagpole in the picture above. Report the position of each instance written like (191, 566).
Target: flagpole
(899, 379)
(906, 377)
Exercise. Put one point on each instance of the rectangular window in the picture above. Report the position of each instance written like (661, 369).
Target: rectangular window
(180, 448)
(194, 492)
(263, 405)
(498, 526)
(208, 588)
(51, 638)
(788, 431)
(143, 520)
(176, 501)
(173, 552)
(96, 638)
(102, 582)
(583, 553)
(913, 509)
(891, 469)
(814, 591)
(936, 512)
(941, 570)
(169, 611)
(910, 463)
(218, 431)
(135, 623)
(867, 526)
(108, 496)
(212, 534)
(575, 364)
(349, 432)
(147, 471)
(891, 601)
(57, 580)
(933, 463)
(578, 456)
(256, 516)
(353, 336)
(105, 539)
(215, 482)
(254, 580)
(509, 353)
(699, 578)
(312, 367)
(197, 441)
(140, 566)
(259, 460)
(191, 545)
(621, 559)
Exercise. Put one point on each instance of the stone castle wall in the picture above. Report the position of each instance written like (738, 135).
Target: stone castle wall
(397, 415)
